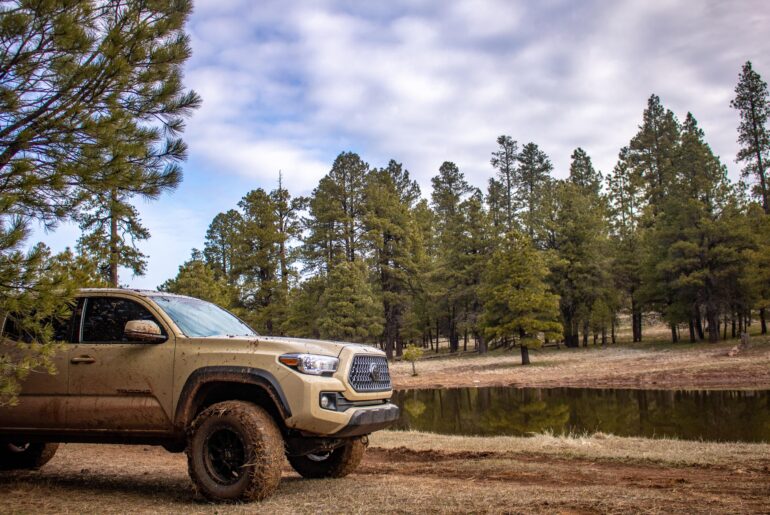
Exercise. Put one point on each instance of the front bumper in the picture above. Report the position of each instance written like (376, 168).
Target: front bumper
(368, 420)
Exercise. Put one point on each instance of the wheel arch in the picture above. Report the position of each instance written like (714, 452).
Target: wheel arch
(209, 385)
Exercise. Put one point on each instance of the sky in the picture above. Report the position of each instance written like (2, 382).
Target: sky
(287, 86)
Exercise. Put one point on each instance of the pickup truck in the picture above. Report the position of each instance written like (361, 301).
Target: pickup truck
(146, 367)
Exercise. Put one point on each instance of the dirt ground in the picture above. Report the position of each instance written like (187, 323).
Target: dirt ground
(666, 366)
(414, 472)
(407, 472)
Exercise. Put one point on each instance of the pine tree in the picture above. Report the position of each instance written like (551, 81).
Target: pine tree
(393, 238)
(518, 304)
(447, 280)
(695, 250)
(38, 291)
(582, 173)
(653, 150)
(652, 163)
(504, 160)
(426, 310)
(757, 279)
(111, 230)
(469, 260)
(88, 84)
(80, 269)
(91, 102)
(349, 309)
(580, 269)
(335, 224)
(304, 308)
(197, 279)
(588, 183)
(258, 261)
(289, 226)
(532, 178)
(221, 245)
(753, 103)
(625, 201)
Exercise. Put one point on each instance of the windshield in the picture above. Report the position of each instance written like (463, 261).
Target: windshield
(197, 318)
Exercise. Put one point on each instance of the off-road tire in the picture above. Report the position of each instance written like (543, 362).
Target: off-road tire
(235, 452)
(26, 456)
(338, 463)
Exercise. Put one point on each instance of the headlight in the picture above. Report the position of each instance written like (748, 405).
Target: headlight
(310, 363)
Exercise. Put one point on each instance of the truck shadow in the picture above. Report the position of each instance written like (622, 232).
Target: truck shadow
(152, 488)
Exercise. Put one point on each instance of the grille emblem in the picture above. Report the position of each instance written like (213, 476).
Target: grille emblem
(374, 372)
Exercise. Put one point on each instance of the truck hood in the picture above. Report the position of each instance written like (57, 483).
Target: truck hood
(322, 347)
(298, 345)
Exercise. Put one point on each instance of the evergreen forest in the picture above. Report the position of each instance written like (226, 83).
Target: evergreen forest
(526, 259)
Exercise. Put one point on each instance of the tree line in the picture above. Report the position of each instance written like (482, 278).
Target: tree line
(529, 259)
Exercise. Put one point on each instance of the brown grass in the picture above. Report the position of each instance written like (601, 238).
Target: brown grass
(664, 451)
(424, 473)
(657, 365)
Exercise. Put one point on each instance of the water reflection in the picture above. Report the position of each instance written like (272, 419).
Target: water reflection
(691, 415)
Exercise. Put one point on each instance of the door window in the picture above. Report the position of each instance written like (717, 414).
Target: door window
(106, 317)
(14, 329)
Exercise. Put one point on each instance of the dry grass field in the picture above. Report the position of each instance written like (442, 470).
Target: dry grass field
(644, 365)
(424, 473)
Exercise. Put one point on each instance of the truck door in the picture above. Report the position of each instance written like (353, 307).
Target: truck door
(116, 384)
(41, 401)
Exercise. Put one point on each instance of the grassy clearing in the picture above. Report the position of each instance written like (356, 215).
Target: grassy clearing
(641, 365)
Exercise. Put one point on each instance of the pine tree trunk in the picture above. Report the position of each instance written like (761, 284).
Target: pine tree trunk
(674, 337)
(604, 335)
(733, 322)
(699, 323)
(524, 355)
(724, 334)
(585, 333)
(114, 240)
(762, 321)
(567, 324)
(575, 334)
(636, 320)
(692, 330)
(482, 344)
(760, 166)
(713, 325)
(614, 340)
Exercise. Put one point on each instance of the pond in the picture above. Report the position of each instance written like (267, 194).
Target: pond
(689, 415)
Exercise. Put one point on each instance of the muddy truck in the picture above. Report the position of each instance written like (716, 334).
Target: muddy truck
(152, 368)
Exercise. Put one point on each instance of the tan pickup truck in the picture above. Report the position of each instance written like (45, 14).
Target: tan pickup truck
(155, 368)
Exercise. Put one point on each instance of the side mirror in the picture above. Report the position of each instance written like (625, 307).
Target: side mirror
(144, 331)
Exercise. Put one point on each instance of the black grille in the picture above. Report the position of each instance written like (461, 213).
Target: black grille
(369, 373)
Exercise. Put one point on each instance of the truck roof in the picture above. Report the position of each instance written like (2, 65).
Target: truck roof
(138, 291)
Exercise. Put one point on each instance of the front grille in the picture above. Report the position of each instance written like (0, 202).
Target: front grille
(369, 373)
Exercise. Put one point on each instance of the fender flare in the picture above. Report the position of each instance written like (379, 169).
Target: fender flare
(227, 374)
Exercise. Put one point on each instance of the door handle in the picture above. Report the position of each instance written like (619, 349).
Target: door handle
(86, 360)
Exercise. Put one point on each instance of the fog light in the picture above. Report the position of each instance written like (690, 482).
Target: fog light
(328, 401)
